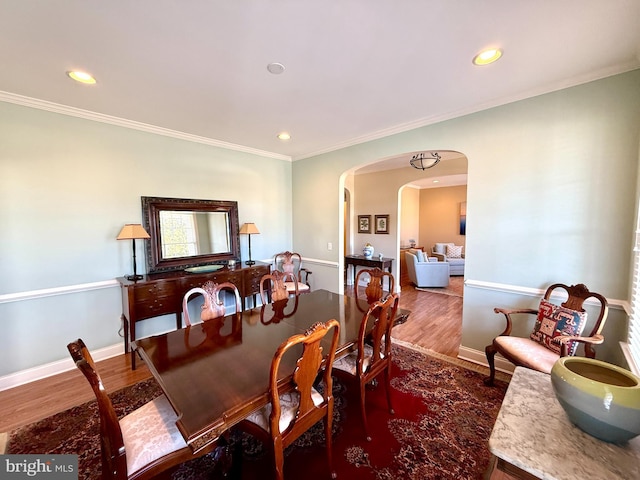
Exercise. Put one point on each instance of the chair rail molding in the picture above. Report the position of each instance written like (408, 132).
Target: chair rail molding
(538, 292)
(50, 292)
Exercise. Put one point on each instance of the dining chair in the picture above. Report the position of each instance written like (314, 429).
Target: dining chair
(291, 262)
(213, 306)
(274, 286)
(374, 290)
(296, 406)
(142, 444)
(373, 354)
(556, 333)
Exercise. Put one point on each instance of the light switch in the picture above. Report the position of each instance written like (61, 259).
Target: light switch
(329, 246)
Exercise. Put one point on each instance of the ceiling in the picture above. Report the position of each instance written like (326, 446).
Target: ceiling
(355, 70)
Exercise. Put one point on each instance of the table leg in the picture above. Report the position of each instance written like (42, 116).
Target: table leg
(125, 332)
(132, 337)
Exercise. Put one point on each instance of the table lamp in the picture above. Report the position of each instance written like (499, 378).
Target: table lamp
(249, 229)
(132, 231)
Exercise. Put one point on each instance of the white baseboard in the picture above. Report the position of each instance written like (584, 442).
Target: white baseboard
(476, 356)
(49, 369)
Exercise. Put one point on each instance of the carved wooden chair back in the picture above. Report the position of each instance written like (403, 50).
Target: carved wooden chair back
(374, 290)
(274, 285)
(373, 354)
(297, 406)
(556, 334)
(291, 262)
(213, 306)
(158, 448)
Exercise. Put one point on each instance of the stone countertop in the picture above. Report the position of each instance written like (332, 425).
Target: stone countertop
(533, 433)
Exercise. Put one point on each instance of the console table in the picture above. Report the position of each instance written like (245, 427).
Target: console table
(371, 262)
(533, 438)
(161, 294)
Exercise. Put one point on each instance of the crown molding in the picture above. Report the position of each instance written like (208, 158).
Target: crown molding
(425, 121)
(122, 122)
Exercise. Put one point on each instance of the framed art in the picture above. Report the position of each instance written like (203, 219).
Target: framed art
(364, 223)
(382, 223)
(463, 218)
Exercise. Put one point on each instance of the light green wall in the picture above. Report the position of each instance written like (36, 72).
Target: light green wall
(552, 186)
(67, 186)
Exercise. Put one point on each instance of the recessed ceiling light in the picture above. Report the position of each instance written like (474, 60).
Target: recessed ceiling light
(487, 56)
(284, 136)
(436, 181)
(82, 77)
(275, 68)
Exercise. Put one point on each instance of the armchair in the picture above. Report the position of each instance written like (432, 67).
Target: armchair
(427, 274)
(557, 331)
(452, 254)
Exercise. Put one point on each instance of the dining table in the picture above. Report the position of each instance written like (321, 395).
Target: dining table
(216, 373)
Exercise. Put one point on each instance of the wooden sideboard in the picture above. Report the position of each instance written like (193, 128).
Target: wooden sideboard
(161, 294)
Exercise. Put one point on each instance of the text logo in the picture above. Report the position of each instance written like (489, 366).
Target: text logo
(50, 467)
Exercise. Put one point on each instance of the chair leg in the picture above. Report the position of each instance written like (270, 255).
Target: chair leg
(387, 377)
(490, 351)
(278, 458)
(364, 411)
(328, 420)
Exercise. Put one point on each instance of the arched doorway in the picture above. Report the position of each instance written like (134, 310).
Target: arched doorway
(391, 186)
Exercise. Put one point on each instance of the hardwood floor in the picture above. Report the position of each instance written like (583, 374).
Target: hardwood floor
(37, 400)
(435, 324)
(435, 321)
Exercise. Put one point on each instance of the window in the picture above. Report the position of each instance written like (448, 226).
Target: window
(634, 316)
(178, 233)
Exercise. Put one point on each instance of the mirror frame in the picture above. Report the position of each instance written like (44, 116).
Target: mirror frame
(151, 208)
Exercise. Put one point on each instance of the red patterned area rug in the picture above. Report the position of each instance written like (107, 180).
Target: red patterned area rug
(443, 418)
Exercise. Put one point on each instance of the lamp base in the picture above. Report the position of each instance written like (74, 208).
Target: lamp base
(250, 262)
(133, 278)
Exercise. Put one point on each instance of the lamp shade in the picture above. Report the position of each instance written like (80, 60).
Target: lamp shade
(249, 229)
(132, 231)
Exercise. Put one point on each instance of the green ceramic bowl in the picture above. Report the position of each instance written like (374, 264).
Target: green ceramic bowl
(600, 398)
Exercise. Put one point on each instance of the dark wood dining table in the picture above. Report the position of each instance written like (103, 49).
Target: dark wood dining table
(216, 373)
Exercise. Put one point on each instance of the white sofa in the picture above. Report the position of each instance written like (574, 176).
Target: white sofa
(439, 250)
(426, 273)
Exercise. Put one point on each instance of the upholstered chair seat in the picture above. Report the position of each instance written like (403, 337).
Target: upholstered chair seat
(289, 403)
(348, 363)
(149, 433)
(528, 353)
(302, 287)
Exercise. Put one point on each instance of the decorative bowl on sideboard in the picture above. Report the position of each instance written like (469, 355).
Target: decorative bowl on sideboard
(600, 398)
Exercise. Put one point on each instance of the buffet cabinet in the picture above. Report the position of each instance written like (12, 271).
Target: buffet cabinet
(161, 294)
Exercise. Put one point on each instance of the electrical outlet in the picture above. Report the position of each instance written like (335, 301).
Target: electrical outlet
(329, 246)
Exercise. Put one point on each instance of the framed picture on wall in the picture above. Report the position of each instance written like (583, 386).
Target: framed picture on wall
(382, 223)
(364, 223)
